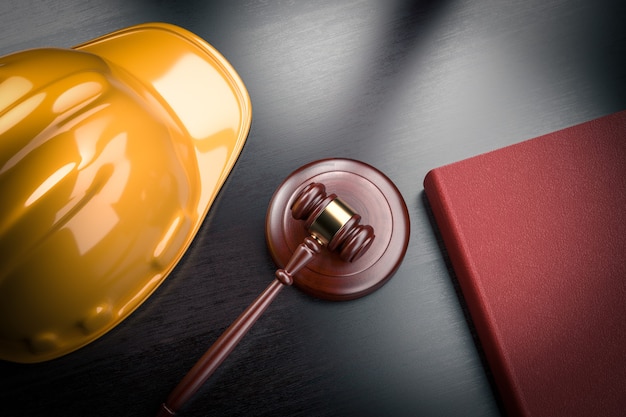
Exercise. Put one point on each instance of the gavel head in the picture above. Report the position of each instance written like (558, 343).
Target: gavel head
(332, 222)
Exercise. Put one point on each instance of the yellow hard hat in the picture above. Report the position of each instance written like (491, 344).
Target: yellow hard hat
(111, 154)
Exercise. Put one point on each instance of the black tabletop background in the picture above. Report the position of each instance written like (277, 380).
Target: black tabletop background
(403, 85)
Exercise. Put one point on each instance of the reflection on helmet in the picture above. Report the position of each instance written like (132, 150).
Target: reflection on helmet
(100, 199)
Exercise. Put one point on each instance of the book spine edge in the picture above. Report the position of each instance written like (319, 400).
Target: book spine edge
(473, 294)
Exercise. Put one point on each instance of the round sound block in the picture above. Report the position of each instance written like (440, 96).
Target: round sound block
(370, 194)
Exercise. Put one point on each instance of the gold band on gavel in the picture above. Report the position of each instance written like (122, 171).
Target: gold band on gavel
(331, 220)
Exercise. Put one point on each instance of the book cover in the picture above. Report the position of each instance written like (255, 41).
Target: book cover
(536, 234)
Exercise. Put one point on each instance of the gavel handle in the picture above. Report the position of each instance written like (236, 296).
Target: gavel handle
(225, 344)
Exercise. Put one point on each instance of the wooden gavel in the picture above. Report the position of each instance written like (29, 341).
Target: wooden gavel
(330, 223)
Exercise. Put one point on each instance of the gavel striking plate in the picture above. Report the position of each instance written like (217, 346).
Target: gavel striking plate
(370, 195)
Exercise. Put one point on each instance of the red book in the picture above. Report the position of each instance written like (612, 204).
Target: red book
(536, 233)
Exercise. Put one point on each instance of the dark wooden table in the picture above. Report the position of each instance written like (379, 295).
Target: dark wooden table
(402, 85)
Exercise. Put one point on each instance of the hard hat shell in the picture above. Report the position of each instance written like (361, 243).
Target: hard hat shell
(111, 154)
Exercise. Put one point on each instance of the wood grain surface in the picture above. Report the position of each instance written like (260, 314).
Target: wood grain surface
(402, 85)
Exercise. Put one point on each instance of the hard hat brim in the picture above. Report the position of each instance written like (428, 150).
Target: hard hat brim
(204, 96)
(199, 86)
